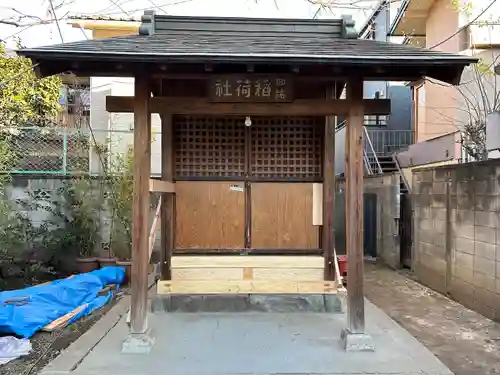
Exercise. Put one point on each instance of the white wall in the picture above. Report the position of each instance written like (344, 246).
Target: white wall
(116, 129)
(99, 119)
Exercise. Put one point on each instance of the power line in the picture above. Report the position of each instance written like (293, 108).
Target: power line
(116, 4)
(147, 8)
(55, 19)
(465, 26)
(157, 6)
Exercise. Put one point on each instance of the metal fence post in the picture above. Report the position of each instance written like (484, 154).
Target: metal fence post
(65, 152)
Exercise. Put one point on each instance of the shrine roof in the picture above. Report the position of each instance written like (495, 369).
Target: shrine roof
(207, 40)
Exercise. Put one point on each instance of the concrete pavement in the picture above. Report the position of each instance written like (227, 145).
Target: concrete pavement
(251, 344)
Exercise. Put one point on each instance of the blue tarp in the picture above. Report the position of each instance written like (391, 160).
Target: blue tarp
(23, 312)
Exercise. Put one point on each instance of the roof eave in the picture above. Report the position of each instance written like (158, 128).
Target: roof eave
(237, 58)
(48, 60)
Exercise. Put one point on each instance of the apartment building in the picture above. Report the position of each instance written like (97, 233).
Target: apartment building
(466, 27)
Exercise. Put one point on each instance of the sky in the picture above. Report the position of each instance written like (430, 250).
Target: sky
(34, 12)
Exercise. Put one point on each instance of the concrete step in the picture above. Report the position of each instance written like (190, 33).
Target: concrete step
(252, 302)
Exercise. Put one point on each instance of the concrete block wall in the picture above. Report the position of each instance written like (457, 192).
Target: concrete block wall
(46, 189)
(430, 228)
(457, 233)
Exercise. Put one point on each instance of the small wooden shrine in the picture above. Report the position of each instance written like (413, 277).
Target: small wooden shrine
(248, 112)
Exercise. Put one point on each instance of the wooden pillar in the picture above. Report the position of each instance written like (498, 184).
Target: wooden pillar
(168, 199)
(328, 230)
(140, 208)
(354, 208)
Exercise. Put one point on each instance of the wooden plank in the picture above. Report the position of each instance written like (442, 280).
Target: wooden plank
(247, 273)
(160, 186)
(108, 288)
(140, 210)
(288, 206)
(207, 273)
(290, 274)
(168, 209)
(152, 232)
(243, 286)
(246, 251)
(354, 208)
(64, 320)
(247, 261)
(202, 106)
(209, 214)
(328, 241)
(317, 209)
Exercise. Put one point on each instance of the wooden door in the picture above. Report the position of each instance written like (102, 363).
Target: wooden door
(209, 157)
(285, 160)
(246, 187)
(282, 216)
(210, 215)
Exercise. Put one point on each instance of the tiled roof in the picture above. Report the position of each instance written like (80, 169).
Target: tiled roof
(222, 46)
(169, 39)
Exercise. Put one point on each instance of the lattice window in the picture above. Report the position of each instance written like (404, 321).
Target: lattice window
(209, 146)
(286, 147)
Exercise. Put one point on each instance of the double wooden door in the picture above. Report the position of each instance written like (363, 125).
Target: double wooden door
(241, 187)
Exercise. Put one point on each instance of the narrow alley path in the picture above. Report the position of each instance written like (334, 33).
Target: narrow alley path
(465, 341)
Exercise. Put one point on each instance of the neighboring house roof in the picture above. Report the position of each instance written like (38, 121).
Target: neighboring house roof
(170, 39)
(93, 22)
(97, 17)
(382, 5)
(411, 18)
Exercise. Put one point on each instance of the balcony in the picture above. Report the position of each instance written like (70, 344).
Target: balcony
(73, 117)
(385, 142)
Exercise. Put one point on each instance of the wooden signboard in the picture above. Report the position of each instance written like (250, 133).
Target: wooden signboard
(250, 88)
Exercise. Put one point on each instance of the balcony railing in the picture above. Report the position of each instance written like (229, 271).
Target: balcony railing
(385, 142)
(74, 116)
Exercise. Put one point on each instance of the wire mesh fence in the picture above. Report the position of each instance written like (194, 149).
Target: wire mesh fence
(62, 151)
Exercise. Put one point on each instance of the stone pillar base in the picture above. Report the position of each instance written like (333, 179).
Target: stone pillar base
(138, 343)
(356, 342)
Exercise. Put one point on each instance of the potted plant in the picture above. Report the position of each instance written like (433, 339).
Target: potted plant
(83, 210)
(86, 262)
(107, 261)
(122, 247)
(106, 258)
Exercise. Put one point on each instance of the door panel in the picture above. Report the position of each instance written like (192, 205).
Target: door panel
(209, 215)
(282, 216)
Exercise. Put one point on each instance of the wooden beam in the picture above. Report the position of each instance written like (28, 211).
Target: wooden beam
(202, 106)
(328, 243)
(168, 209)
(161, 186)
(245, 287)
(354, 208)
(140, 208)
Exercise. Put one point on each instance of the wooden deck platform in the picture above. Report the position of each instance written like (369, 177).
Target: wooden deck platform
(246, 274)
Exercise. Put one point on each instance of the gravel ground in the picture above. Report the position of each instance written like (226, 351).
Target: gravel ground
(47, 345)
(465, 341)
